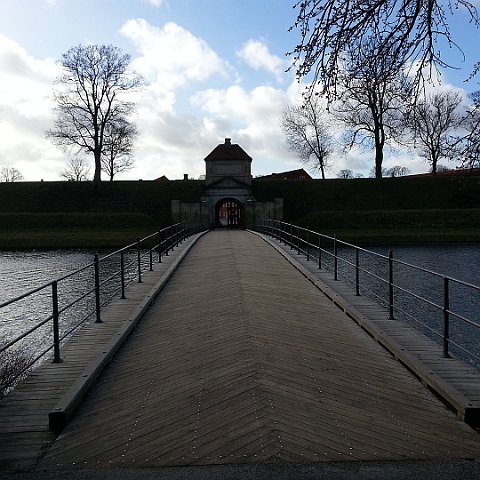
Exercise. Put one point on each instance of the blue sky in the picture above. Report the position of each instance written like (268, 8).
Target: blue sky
(215, 68)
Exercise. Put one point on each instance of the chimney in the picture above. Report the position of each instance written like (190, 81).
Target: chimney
(228, 142)
(185, 176)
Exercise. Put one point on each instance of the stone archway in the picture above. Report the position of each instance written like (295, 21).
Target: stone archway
(230, 213)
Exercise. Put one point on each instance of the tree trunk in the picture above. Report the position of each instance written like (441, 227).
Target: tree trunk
(434, 163)
(378, 167)
(379, 144)
(98, 168)
(378, 159)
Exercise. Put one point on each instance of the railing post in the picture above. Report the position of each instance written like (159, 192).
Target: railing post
(298, 240)
(357, 273)
(390, 284)
(182, 231)
(446, 317)
(151, 259)
(139, 262)
(159, 247)
(308, 245)
(291, 237)
(122, 273)
(335, 258)
(55, 315)
(176, 235)
(319, 252)
(97, 288)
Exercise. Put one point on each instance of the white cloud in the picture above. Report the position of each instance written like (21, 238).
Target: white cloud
(172, 56)
(26, 111)
(172, 142)
(172, 59)
(256, 55)
(154, 3)
(254, 121)
(175, 143)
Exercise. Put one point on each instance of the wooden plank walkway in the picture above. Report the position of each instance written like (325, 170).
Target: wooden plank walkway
(24, 414)
(455, 381)
(241, 360)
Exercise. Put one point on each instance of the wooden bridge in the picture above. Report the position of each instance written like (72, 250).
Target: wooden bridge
(239, 358)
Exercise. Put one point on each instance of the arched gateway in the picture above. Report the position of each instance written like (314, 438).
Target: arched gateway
(229, 213)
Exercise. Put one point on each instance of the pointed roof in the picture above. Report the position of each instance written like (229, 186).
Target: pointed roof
(228, 151)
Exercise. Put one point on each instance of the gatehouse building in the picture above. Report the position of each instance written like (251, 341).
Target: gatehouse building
(228, 201)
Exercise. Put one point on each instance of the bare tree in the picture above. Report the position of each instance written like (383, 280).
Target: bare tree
(345, 174)
(10, 174)
(469, 144)
(117, 155)
(307, 134)
(435, 121)
(76, 170)
(397, 171)
(442, 168)
(412, 31)
(93, 85)
(373, 99)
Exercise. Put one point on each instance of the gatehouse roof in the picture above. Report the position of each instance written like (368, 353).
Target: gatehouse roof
(228, 151)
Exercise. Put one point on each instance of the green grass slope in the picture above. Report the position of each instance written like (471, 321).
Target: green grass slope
(401, 210)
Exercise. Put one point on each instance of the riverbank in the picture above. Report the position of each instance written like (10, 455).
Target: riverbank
(99, 231)
(26, 231)
(398, 227)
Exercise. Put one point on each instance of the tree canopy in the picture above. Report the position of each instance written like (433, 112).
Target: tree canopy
(435, 121)
(10, 174)
(372, 99)
(91, 97)
(410, 31)
(307, 134)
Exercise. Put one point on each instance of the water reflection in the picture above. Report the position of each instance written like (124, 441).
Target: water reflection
(24, 271)
(419, 296)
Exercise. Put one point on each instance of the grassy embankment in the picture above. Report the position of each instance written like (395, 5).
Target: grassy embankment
(365, 211)
(387, 211)
(77, 215)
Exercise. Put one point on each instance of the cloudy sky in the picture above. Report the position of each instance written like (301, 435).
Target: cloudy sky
(215, 69)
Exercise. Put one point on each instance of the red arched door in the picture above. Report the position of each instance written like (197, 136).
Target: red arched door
(229, 213)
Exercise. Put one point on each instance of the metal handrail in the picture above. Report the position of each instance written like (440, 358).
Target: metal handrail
(161, 242)
(309, 243)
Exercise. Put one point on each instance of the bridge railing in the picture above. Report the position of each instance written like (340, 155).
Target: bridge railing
(78, 296)
(441, 306)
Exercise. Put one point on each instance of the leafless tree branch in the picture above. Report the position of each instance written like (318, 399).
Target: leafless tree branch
(91, 97)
